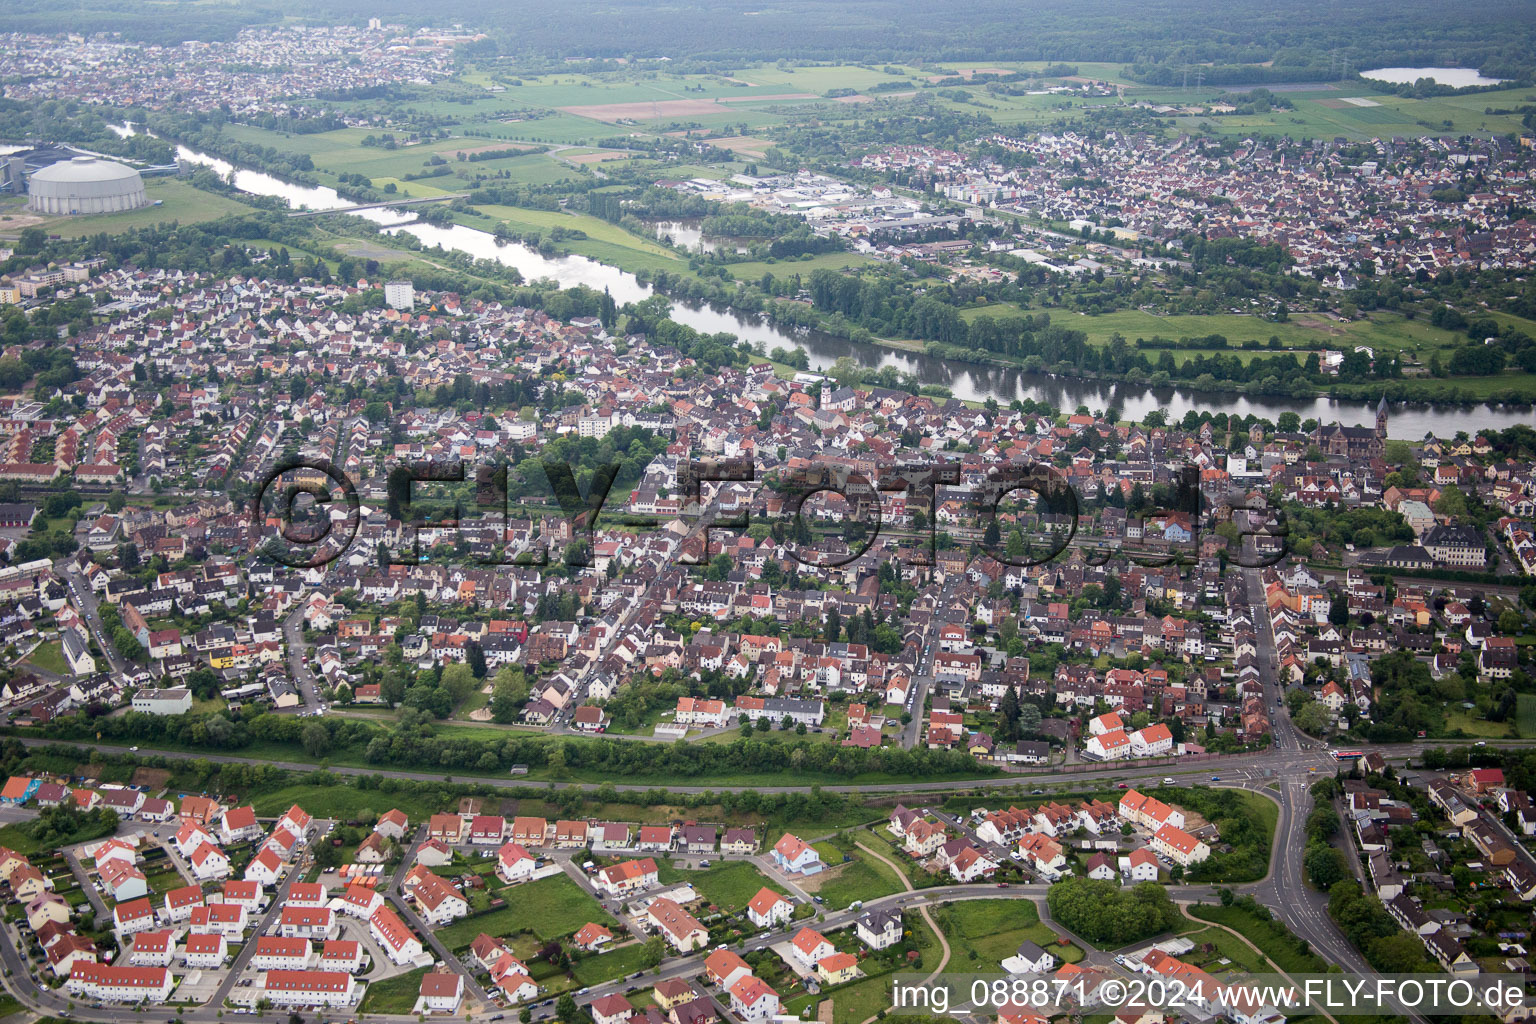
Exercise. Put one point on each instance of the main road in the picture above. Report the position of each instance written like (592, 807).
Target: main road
(1283, 890)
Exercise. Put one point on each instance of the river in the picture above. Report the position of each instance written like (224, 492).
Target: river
(966, 380)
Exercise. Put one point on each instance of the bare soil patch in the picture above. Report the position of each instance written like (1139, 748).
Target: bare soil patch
(775, 96)
(746, 145)
(597, 157)
(647, 111)
(969, 72)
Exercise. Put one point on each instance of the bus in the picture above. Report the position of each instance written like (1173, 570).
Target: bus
(1348, 755)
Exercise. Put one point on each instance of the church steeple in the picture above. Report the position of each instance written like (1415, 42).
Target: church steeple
(1381, 418)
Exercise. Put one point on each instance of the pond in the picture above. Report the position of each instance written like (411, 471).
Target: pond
(1456, 78)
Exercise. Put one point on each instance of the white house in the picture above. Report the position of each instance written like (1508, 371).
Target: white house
(399, 943)
(1029, 958)
(175, 701)
(334, 989)
(440, 903)
(879, 929)
(276, 953)
(753, 1000)
(205, 952)
(769, 908)
(809, 946)
(514, 863)
(307, 923)
(108, 983)
(441, 991)
(1139, 866)
(152, 949)
(795, 856)
(1179, 846)
(265, 868)
(238, 824)
(1153, 741)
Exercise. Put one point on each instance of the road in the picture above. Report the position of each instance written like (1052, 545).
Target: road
(1286, 736)
(396, 895)
(298, 659)
(248, 949)
(84, 598)
(1283, 891)
(1279, 763)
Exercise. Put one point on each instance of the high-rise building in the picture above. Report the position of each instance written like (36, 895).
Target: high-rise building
(400, 295)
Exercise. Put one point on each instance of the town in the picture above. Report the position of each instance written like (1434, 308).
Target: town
(660, 529)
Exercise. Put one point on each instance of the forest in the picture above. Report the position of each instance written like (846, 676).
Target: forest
(1301, 37)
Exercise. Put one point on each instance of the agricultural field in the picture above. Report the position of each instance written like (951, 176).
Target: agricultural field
(1327, 113)
(1389, 332)
(342, 152)
(754, 270)
(605, 242)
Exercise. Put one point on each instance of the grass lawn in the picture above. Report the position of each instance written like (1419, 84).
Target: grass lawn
(1457, 718)
(983, 933)
(1525, 715)
(50, 658)
(861, 1000)
(754, 270)
(551, 908)
(1277, 942)
(862, 878)
(15, 837)
(1226, 946)
(625, 960)
(463, 931)
(474, 702)
(165, 880)
(179, 201)
(879, 840)
(730, 885)
(393, 995)
(341, 803)
(202, 705)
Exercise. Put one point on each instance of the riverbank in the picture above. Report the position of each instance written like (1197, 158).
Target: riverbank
(1301, 335)
(705, 310)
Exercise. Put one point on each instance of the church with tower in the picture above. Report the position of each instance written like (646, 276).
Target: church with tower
(1358, 444)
